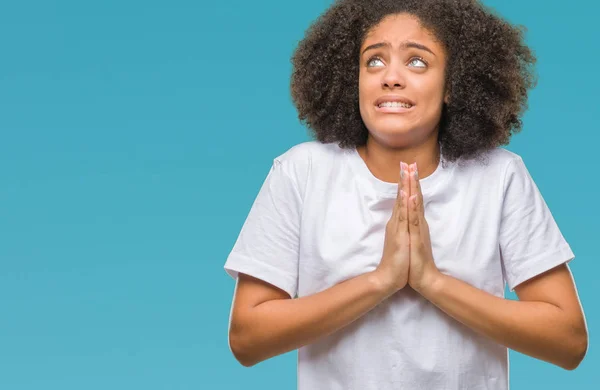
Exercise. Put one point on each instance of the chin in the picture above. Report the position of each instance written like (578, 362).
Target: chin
(391, 128)
(391, 136)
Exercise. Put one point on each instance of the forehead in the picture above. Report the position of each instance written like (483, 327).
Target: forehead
(401, 27)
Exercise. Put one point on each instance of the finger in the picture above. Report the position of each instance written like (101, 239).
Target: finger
(403, 180)
(414, 223)
(415, 187)
(392, 224)
(413, 205)
(399, 217)
(398, 202)
(403, 197)
(400, 184)
(406, 178)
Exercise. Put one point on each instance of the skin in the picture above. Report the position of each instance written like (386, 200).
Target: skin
(547, 322)
(411, 72)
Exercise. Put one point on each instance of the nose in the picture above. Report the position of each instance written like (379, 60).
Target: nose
(393, 78)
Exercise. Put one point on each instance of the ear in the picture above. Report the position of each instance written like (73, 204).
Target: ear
(446, 97)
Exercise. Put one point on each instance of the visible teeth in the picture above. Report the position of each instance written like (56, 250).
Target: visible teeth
(395, 104)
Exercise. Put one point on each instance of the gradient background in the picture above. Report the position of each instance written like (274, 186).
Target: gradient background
(135, 136)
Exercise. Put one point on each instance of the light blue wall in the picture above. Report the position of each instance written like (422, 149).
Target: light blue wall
(134, 136)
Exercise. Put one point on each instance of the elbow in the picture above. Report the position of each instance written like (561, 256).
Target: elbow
(239, 350)
(578, 352)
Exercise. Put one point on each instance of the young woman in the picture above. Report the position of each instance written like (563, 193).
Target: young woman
(381, 250)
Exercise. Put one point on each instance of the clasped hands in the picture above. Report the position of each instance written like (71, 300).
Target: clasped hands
(407, 256)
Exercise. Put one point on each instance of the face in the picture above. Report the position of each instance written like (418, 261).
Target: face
(401, 81)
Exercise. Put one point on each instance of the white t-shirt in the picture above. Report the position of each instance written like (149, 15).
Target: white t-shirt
(319, 219)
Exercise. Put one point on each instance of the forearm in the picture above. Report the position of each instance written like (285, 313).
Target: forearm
(279, 326)
(537, 329)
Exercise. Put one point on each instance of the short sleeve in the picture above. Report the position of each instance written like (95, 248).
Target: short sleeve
(268, 243)
(530, 240)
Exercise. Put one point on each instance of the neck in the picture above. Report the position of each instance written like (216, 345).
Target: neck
(384, 161)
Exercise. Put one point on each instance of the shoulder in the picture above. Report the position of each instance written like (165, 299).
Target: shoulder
(301, 158)
(512, 166)
(491, 172)
(500, 157)
(505, 157)
(307, 152)
(506, 171)
(299, 161)
(495, 163)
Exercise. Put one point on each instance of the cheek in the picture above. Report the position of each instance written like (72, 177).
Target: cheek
(362, 90)
(364, 96)
(435, 93)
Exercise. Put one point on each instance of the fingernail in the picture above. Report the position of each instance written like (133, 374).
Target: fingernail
(413, 168)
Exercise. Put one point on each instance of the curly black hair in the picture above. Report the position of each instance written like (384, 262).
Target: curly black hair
(488, 73)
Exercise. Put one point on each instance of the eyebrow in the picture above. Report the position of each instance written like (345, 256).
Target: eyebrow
(403, 45)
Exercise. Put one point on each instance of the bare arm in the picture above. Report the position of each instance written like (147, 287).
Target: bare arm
(547, 322)
(266, 322)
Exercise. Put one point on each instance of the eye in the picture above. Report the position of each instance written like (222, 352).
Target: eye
(418, 62)
(372, 60)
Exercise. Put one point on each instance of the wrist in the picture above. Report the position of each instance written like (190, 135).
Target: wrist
(431, 284)
(382, 282)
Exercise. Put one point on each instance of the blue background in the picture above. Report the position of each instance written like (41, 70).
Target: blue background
(135, 136)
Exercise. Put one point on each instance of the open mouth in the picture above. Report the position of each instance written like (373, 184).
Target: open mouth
(394, 107)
